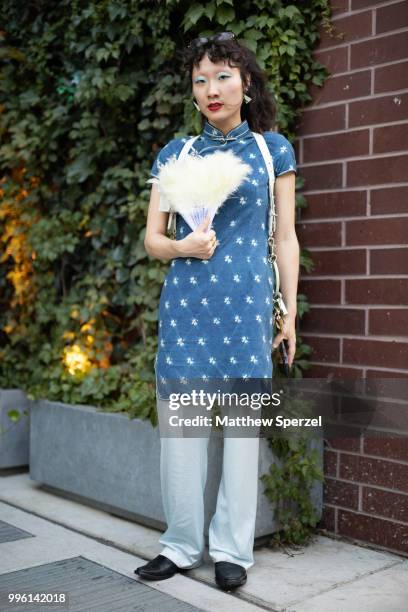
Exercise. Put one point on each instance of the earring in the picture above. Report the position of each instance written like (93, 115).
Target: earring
(196, 105)
(247, 99)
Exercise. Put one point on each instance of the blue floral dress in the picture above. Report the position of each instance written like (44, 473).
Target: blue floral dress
(215, 315)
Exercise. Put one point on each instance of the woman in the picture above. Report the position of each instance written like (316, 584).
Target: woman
(215, 313)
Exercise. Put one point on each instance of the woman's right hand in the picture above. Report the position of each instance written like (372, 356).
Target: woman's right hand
(200, 243)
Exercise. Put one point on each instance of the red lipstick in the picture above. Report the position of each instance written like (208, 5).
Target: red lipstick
(215, 106)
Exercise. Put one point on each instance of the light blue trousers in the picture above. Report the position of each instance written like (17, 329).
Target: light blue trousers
(183, 472)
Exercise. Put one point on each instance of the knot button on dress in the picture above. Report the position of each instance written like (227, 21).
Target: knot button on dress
(215, 315)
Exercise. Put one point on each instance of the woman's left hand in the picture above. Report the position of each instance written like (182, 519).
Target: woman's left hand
(288, 333)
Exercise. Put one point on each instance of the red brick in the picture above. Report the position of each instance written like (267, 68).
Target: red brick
(331, 37)
(316, 121)
(334, 321)
(380, 170)
(392, 17)
(333, 372)
(296, 148)
(339, 6)
(379, 50)
(321, 291)
(388, 200)
(389, 261)
(368, 416)
(335, 204)
(342, 87)
(393, 322)
(382, 374)
(386, 445)
(319, 234)
(385, 503)
(366, 412)
(335, 60)
(382, 414)
(324, 349)
(328, 520)
(378, 110)
(330, 462)
(339, 493)
(391, 78)
(359, 4)
(377, 231)
(339, 262)
(336, 146)
(385, 387)
(377, 291)
(345, 444)
(378, 531)
(378, 353)
(347, 29)
(390, 138)
(380, 472)
(322, 176)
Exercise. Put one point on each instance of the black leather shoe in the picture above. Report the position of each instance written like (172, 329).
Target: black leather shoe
(158, 568)
(229, 575)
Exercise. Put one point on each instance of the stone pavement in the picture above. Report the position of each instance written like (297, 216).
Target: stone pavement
(52, 544)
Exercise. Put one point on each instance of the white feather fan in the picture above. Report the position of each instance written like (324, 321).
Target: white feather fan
(197, 186)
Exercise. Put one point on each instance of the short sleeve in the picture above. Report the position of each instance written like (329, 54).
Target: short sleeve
(282, 152)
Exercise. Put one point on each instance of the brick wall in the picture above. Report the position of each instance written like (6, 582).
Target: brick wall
(352, 150)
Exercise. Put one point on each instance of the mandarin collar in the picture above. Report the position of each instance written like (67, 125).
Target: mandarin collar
(215, 134)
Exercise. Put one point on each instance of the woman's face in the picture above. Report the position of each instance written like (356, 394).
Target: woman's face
(218, 83)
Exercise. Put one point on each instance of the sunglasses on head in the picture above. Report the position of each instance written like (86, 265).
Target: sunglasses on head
(202, 40)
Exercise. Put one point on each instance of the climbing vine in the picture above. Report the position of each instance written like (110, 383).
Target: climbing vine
(89, 91)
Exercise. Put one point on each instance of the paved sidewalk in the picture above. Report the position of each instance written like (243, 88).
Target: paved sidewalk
(49, 543)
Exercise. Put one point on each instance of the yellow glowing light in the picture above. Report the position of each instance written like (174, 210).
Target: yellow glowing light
(87, 326)
(68, 335)
(76, 360)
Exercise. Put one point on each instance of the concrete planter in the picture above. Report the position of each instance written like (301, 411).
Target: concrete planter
(14, 437)
(112, 462)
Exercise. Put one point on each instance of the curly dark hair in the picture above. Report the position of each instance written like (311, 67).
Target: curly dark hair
(260, 112)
